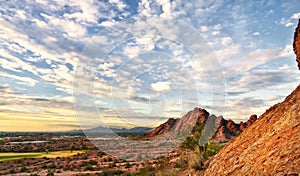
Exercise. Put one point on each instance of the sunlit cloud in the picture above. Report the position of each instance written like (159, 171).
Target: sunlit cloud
(42, 43)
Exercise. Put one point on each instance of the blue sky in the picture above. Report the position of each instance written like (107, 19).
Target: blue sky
(149, 78)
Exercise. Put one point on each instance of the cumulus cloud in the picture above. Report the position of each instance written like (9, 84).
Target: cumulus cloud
(41, 42)
(161, 86)
(296, 16)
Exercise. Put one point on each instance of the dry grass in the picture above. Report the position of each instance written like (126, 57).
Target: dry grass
(13, 156)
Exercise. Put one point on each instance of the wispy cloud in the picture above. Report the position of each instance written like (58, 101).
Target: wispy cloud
(42, 43)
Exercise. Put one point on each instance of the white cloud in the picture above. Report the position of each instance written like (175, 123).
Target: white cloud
(26, 80)
(287, 51)
(161, 86)
(132, 51)
(296, 16)
(106, 66)
(121, 6)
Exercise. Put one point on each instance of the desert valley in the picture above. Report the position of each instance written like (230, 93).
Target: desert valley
(196, 143)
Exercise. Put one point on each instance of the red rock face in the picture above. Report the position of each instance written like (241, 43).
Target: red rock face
(228, 130)
(163, 128)
(185, 123)
(188, 121)
(296, 44)
(225, 129)
(271, 146)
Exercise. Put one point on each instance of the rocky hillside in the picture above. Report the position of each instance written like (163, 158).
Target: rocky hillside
(224, 129)
(271, 146)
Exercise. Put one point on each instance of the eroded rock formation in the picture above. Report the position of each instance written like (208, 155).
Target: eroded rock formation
(271, 146)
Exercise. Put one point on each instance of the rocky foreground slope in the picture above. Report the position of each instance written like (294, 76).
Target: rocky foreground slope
(271, 146)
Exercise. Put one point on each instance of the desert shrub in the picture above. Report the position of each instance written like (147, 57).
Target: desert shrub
(105, 173)
(189, 143)
(89, 167)
(212, 149)
(127, 165)
(52, 166)
(100, 154)
(50, 174)
(181, 164)
(93, 162)
(23, 168)
(118, 172)
(110, 159)
(195, 162)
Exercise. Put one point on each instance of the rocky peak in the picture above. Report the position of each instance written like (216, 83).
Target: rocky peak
(185, 123)
(224, 129)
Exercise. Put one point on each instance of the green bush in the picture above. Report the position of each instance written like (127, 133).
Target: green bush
(104, 173)
(93, 162)
(50, 174)
(100, 154)
(23, 168)
(89, 167)
(212, 149)
(118, 172)
(127, 165)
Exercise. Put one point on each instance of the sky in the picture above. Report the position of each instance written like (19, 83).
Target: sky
(68, 64)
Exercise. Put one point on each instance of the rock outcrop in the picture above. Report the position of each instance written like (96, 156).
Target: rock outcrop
(185, 123)
(228, 130)
(223, 130)
(271, 146)
(163, 128)
(296, 44)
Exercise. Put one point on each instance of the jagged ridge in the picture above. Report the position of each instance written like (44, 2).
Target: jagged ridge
(224, 129)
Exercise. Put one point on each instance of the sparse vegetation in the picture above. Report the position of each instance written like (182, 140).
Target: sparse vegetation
(23, 168)
(118, 172)
(127, 165)
(89, 167)
(50, 174)
(212, 148)
(104, 173)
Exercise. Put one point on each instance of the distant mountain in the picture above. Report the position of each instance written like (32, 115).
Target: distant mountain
(220, 128)
(271, 146)
(106, 130)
